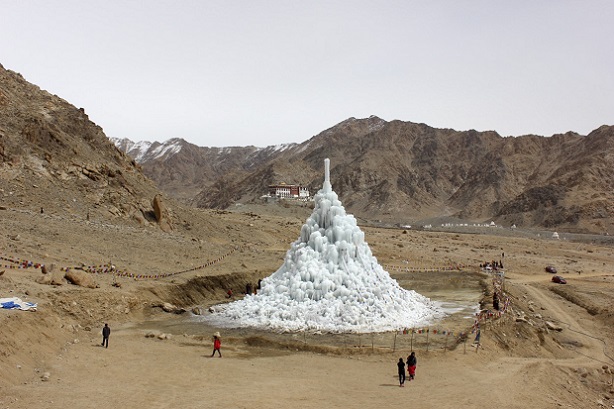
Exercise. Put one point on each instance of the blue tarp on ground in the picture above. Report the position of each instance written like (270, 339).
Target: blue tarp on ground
(15, 303)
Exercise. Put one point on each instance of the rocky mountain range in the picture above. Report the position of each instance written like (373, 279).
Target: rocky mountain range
(404, 172)
(53, 158)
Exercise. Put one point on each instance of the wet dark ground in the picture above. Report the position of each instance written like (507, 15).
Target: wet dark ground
(458, 293)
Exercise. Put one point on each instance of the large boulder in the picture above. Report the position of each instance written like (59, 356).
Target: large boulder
(80, 278)
(54, 278)
(168, 307)
(162, 214)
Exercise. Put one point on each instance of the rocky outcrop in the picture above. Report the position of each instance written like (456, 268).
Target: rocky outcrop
(80, 278)
(162, 214)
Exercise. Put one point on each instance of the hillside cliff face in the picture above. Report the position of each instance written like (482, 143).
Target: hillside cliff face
(55, 161)
(402, 172)
(183, 169)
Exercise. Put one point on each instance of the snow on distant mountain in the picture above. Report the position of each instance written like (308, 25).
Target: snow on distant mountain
(143, 151)
(182, 169)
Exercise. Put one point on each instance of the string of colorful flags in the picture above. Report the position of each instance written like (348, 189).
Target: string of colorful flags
(408, 269)
(17, 263)
(112, 269)
(495, 313)
(434, 331)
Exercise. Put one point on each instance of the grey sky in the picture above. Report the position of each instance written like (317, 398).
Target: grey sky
(236, 73)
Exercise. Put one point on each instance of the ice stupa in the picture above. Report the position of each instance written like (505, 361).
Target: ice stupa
(329, 282)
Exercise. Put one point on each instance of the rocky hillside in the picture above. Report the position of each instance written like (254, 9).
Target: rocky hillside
(55, 161)
(402, 172)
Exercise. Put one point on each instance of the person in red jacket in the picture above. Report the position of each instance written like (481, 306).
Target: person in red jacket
(217, 344)
(412, 361)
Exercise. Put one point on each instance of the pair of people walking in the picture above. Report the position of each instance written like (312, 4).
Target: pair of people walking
(412, 361)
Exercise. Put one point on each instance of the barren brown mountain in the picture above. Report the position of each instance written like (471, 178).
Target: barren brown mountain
(90, 240)
(402, 172)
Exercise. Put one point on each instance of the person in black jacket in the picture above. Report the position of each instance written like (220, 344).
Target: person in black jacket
(401, 366)
(106, 331)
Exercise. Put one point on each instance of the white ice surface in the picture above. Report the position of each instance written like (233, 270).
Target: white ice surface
(329, 282)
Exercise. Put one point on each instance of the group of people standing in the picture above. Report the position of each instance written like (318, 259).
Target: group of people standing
(412, 361)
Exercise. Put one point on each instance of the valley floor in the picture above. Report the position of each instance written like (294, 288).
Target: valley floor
(521, 362)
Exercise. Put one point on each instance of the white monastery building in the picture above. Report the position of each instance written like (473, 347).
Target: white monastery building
(288, 191)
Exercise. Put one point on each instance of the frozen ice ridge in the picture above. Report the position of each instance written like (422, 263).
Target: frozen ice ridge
(329, 282)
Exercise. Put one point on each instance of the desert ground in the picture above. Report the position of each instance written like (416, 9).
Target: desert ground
(553, 346)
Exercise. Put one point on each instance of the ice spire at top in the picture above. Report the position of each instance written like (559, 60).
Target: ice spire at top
(327, 187)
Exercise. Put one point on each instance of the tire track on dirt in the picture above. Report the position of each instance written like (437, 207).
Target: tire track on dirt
(592, 342)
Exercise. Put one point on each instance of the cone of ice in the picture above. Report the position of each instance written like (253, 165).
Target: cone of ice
(329, 282)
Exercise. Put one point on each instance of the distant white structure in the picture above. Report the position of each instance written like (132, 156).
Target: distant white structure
(492, 224)
(329, 281)
(555, 235)
(283, 190)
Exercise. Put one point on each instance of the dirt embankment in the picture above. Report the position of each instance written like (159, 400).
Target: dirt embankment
(205, 291)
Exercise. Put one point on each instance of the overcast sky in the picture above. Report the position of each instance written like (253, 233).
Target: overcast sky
(237, 73)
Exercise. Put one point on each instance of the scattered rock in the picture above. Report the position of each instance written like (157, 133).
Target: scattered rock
(197, 311)
(45, 376)
(138, 216)
(56, 278)
(168, 307)
(553, 327)
(80, 278)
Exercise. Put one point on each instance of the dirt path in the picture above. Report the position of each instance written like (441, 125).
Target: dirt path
(582, 333)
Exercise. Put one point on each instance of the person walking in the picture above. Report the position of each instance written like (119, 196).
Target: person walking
(106, 331)
(217, 344)
(412, 361)
(401, 367)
